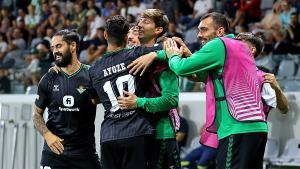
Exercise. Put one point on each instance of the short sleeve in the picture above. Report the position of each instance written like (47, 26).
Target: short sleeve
(42, 100)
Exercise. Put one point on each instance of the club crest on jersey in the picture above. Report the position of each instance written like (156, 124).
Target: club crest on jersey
(55, 88)
(81, 89)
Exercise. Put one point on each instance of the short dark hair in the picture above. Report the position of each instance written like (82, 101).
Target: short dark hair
(117, 28)
(255, 40)
(159, 18)
(69, 36)
(219, 20)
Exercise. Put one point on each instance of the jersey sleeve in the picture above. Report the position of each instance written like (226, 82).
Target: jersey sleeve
(42, 100)
(269, 96)
(141, 50)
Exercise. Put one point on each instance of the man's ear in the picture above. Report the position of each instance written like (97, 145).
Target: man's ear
(253, 51)
(73, 46)
(105, 35)
(158, 30)
(220, 32)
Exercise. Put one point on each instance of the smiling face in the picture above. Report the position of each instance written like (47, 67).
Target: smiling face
(61, 51)
(147, 29)
(207, 30)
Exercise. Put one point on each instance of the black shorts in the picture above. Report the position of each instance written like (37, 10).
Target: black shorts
(164, 154)
(50, 160)
(129, 153)
(242, 151)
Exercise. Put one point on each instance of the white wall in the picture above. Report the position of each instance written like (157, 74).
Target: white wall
(19, 107)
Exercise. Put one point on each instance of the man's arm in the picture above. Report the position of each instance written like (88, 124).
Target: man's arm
(282, 101)
(54, 142)
(209, 57)
(168, 99)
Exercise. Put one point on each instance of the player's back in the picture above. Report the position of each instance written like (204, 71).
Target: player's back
(110, 77)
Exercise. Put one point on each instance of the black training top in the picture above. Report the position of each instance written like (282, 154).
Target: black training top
(71, 114)
(110, 77)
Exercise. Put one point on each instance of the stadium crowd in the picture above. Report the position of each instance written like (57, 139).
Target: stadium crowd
(27, 26)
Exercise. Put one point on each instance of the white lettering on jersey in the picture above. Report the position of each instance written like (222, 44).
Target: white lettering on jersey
(114, 69)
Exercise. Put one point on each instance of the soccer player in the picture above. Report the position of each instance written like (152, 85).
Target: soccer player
(124, 133)
(228, 70)
(69, 131)
(272, 94)
(164, 151)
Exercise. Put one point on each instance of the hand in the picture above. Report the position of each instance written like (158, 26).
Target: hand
(142, 63)
(171, 48)
(54, 143)
(129, 102)
(55, 69)
(186, 50)
(270, 78)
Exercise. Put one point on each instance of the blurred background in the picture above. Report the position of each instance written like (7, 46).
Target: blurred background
(26, 28)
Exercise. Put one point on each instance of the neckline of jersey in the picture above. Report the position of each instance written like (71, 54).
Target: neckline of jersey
(112, 52)
(73, 74)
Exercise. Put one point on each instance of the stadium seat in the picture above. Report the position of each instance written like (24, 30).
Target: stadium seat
(286, 69)
(31, 89)
(290, 156)
(272, 149)
(291, 85)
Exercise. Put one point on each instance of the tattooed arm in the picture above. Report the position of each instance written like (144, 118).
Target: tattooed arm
(53, 141)
(39, 121)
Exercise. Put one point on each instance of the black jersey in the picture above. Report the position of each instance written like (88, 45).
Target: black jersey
(110, 77)
(71, 114)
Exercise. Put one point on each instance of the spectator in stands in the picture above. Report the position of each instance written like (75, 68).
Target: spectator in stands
(293, 34)
(5, 26)
(200, 157)
(79, 21)
(109, 9)
(32, 19)
(3, 45)
(270, 26)
(38, 37)
(56, 19)
(94, 22)
(45, 55)
(172, 31)
(248, 12)
(170, 7)
(291, 43)
(32, 74)
(45, 11)
(91, 5)
(49, 33)
(4, 81)
(122, 7)
(136, 7)
(285, 15)
(70, 13)
(21, 14)
(182, 133)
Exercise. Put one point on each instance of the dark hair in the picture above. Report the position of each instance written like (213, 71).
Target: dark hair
(253, 39)
(117, 28)
(159, 18)
(219, 20)
(69, 36)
